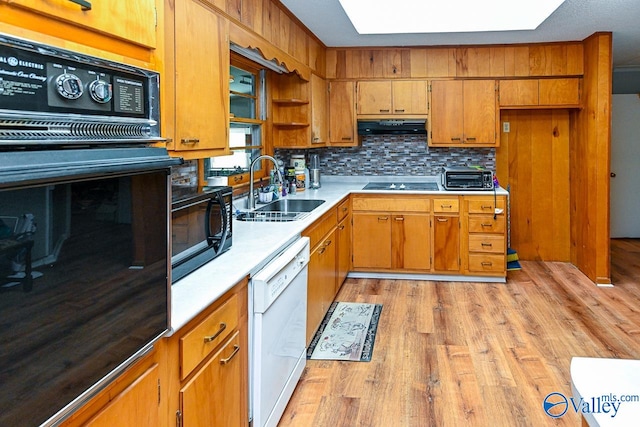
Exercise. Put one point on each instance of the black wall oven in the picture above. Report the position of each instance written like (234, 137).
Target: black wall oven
(84, 227)
(201, 227)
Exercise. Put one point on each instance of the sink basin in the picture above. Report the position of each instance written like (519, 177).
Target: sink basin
(291, 205)
(282, 210)
(399, 186)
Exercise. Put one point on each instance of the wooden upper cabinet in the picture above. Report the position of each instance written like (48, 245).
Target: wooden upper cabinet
(342, 113)
(563, 92)
(133, 21)
(319, 105)
(201, 79)
(374, 97)
(392, 97)
(463, 113)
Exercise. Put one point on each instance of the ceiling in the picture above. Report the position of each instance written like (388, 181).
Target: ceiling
(574, 20)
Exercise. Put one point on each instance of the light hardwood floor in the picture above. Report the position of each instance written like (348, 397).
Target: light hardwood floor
(475, 354)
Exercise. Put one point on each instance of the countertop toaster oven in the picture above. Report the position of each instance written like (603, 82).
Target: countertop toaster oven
(466, 178)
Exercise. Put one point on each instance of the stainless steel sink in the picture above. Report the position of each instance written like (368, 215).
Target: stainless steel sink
(291, 205)
(282, 210)
(399, 186)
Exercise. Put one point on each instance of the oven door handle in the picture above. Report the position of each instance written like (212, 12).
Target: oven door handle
(219, 200)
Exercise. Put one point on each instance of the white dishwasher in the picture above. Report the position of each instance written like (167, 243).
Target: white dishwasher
(278, 319)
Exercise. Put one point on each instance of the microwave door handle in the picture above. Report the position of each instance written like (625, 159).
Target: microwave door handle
(223, 211)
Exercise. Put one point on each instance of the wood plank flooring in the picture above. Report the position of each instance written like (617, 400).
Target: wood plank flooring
(475, 354)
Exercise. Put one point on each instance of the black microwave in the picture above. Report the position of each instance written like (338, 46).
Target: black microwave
(201, 227)
(466, 178)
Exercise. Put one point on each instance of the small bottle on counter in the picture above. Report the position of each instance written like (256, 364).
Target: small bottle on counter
(292, 187)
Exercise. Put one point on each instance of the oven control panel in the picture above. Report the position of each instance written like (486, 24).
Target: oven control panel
(43, 79)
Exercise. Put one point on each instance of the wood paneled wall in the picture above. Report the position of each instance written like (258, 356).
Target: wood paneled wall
(269, 20)
(532, 60)
(533, 160)
(590, 164)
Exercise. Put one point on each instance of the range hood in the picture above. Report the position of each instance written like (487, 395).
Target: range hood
(392, 126)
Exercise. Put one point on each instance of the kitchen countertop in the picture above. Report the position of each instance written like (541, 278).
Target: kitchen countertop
(257, 243)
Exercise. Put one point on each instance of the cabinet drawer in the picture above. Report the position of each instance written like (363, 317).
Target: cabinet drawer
(493, 243)
(486, 263)
(321, 227)
(204, 338)
(391, 204)
(486, 224)
(343, 209)
(446, 205)
(485, 205)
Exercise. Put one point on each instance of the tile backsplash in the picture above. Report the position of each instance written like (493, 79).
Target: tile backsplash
(394, 155)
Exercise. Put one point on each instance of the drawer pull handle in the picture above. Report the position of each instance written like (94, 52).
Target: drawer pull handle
(384, 111)
(399, 218)
(236, 349)
(85, 5)
(341, 227)
(445, 206)
(471, 138)
(487, 225)
(487, 244)
(327, 243)
(383, 218)
(322, 250)
(346, 138)
(400, 111)
(208, 339)
(443, 219)
(486, 264)
(486, 207)
(190, 140)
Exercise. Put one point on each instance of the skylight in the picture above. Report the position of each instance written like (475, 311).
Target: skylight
(446, 16)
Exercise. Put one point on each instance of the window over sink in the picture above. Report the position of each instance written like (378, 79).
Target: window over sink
(247, 117)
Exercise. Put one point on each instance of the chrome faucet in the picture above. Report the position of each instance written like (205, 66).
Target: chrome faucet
(252, 201)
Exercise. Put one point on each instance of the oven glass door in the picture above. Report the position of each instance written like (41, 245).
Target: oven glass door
(83, 286)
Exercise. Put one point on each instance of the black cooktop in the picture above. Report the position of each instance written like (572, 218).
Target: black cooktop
(400, 186)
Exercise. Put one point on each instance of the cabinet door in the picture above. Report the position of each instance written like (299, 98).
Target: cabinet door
(519, 92)
(202, 78)
(560, 91)
(344, 251)
(446, 243)
(446, 118)
(411, 243)
(133, 21)
(321, 283)
(342, 114)
(410, 97)
(319, 124)
(374, 97)
(371, 240)
(479, 112)
(213, 397)
(137, 405)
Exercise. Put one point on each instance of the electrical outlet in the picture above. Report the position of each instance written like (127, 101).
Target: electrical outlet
(506, 127)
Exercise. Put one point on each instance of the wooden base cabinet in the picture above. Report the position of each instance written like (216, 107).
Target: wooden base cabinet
(321, 287)
(391, 233)
(208, 365)
(486, 240)
(446, 243)
(343, 237)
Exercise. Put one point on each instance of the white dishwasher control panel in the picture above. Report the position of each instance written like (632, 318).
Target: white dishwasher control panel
(269, 283)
